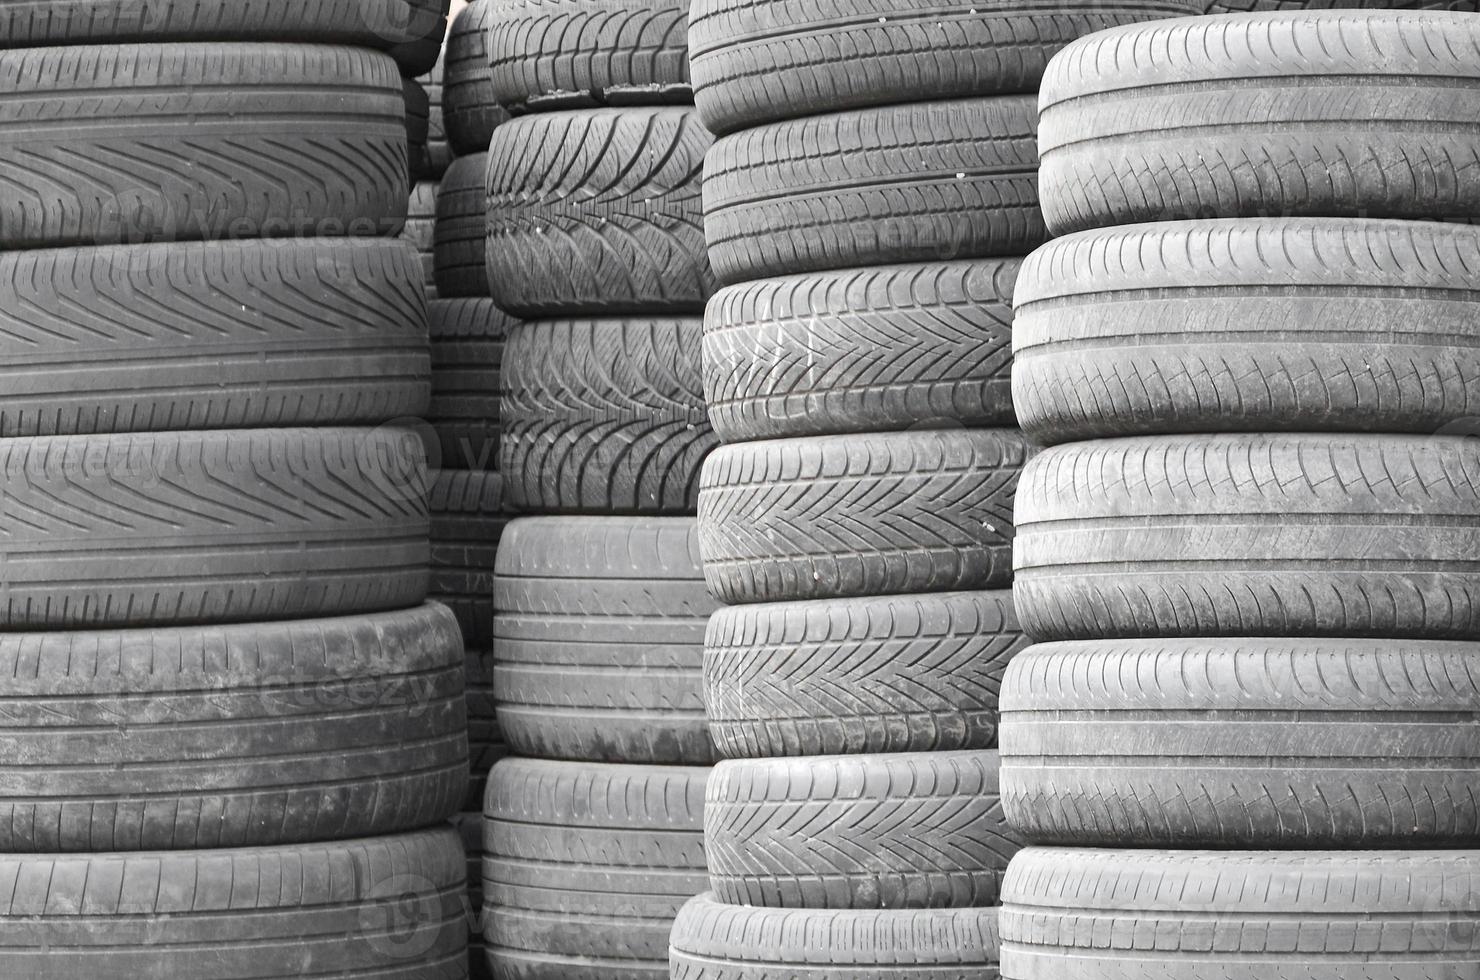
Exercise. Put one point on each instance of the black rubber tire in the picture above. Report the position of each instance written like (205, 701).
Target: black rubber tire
(848, 676)
(1253, 743)
(486, 745)
(1252, 6)
(712, 941)
(598, 211)
(862, 350)
(136, 338)
(418, 124)
(467, 521)
(1078, 914)
(461, 269)
(470, 828)
(586, 866)
(208, 527)
(250, 913)
(420, 231)
(761, 62)
(199, 141)
(438, 155)
(872, 514)
(424, 33)
(470, 110)
(604, 416)
(575, 54)
(468, 338)
(1251, 535)
(599, 639)
(1301, 324)
(233, 736)
(1350, 113)
(900, 831)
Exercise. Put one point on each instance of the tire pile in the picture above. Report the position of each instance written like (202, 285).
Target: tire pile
(1249, 735)
(593, 836)
(234, 730)
(868, 199)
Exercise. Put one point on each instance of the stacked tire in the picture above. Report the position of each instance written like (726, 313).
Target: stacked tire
(593, 829)
(868, 200)
(234, 727)
(1246, 737)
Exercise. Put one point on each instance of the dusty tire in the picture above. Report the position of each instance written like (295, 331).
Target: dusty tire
(199, 141)
(1243, 744)
(712, 941)
(467, 521)
(757, 63)
(486, 745)
(573, 54)
(597, 211)
(900, 831)
(251, 913)
(849, 676)
(209, 527)
(117, 338)
(470, 110)
(873, 514)
(1296, 535)
(598, 639)
(468, 338)
(1077, 914)
(1298, 325)
(586, 866)
(924, 182)
(1240, 117)
(604, 416)
(461, 269)
(862, 350)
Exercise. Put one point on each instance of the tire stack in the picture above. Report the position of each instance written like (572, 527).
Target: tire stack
(868, 200)
(593, 831)
(234, 730)
(1249, 737)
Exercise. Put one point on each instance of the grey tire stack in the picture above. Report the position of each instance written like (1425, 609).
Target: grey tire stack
(1249, 736)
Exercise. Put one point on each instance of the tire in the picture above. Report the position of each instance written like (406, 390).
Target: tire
(873, 514)
(486, 744)
(1078, 914)
(760, 63)
(604, 416)
(470, 110)
(911, 831)
(234, 736)
(439, 153)
(418, 124)
(467, 521)
(712, 941)
(468, 338)
(586, 867)
(575, 54)
(179, 528)
(1259, 743)
(424, 36)
(470, 829)
(117, 338)
(597, 211)
(1326, 324)
(853, 676)
(1136, 127)
(420, 231)
(598, 640)
(251, 913)
(1297, 535)
(1250, 6)
(924, 182)
(862, 350)
(461, 270)
(199, 141)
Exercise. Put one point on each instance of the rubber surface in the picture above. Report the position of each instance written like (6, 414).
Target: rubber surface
(861, 350)
(470, 109)
(419, 231)
(199, 141)
(586, 866)
(205, 527)
(251, 913)
(759, 62)
(486, 744)
(597, 211)
(438, 155)
(1249, 6)
(1251, 535)
(467, 352)
(1334, 915)
(571, 54)
(713, 941)
(1253, 743)
(846, 676)
(467, 521)
(1354, 113)
(459, 258)
(604, 416)
(418, 124)
(873, 514)
(598, 639)
(1301, 324)
(470, 828)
